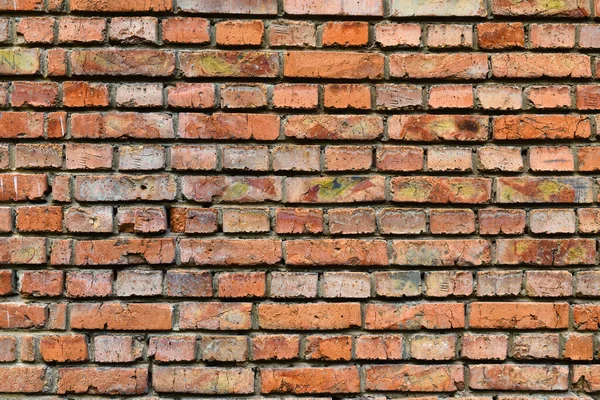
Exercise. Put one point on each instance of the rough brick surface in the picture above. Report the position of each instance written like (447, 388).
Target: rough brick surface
(300, 199)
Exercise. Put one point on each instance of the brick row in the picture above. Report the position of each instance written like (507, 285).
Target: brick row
(344, 221)
(77, 348)
(237, 316)
(298, 96)
(122, 30)
(298, 285)
(301, 252)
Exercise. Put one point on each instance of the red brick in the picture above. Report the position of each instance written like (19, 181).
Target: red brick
(346, 96)
(415, 378)
(309, 316)
(122, 62)
(484, 346)
(549, 96)
(194, 158)
(568, 8)
(121, 316)
(22, 379)
(333, 65)
(193, 220)
(433, 347)
(450, 36)
(141, 220)
(182, 283)
(499, 158)
(81, 30)
(239, 33)
(125, 251)
(8, 348)
(538, 65)
(518, 377)
(37, 156)
(346, 285)
(83, 284)
(22, 316)
(229, 126)
(203, 380)
(6, 282)
(310, 380)
(298, 220)
(448, 283)
(215, 316)
(228, 6)
(345, 33)
(330, 348)
(116, 349)
(252, 158)
(138, 283)
(295, 96)
(579, 347)
(224, 348)
(243, 96)
(415, 316)
(275, 347)
(516, 315)
(89, 219)
(499, 283)
(433, 128)
(441, 190)
(98, 380)
(85, 94)
(316, 7)
(41, 283)
(293, 285)
(586, 317)
(451, 221)
(535, 346)
(379, 347)
(545, 251)
(336, 252)
(241, 284)
(334, 127)
(398, 35)
(552, 221)
(185, 30)
(172, 348)
(234, 64)
(117, 6)
(284, 33)
(495, 97)
(439, 66)
(191, 95)
(584, 378)
(230, 251)
(34, 94)
(64, 348)
(550, 36)
(441, 252)
(544, 190)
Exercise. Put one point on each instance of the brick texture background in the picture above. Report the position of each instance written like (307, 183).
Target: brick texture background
(343, 199)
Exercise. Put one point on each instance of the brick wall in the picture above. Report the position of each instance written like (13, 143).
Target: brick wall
(344, 199)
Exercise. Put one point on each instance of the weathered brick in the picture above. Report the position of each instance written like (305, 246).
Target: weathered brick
(215, 316)
(121, 316)
(538, 65)
(415, 378)
(433, 128)
(102, 380)
(310, 380)
(414, 316)
(518, 377)
(203, 380)
(439, 66)
(333, 65)
(515, 315)
(309, 316)
(545, 251)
